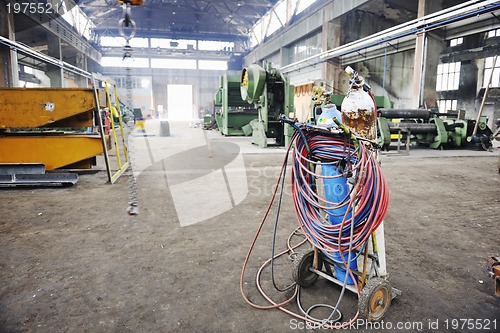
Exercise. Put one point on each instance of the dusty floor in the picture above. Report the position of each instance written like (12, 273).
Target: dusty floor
(72, 260)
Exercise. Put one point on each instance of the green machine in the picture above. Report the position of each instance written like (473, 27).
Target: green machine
(232, 112)
(426, 127)
(271, 94)
(461, 133)
(420, 124)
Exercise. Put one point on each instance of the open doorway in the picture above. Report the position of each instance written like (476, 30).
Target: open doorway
(180, 101)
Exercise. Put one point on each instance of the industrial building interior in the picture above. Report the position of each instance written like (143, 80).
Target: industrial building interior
(249, 165)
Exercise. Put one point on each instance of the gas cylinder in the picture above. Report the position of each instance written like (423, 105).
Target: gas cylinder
(337, 195)
(359, 112)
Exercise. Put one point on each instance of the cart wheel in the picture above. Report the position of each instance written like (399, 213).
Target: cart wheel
(375, 299)
(301, 273)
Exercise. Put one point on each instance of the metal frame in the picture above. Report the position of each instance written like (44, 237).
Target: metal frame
(112, 177)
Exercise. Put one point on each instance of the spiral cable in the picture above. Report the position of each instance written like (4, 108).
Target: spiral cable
(365, 207)
(366, 203)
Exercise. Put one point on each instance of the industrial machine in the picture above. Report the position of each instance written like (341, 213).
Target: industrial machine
(340, 198)
(271, 94)
(233, 114)
(59, 128)
(428, 127)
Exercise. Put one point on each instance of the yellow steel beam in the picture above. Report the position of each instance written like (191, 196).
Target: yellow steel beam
(54, 151)
(37, 107)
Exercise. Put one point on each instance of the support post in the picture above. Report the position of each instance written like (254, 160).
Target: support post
(55, 73)
(427, 51)
(9, 69)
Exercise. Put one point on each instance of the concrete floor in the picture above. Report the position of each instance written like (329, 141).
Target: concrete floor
(72, 260)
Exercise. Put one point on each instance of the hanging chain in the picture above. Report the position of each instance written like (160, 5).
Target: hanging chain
(133, 208)
(132, 184)
(127, 23)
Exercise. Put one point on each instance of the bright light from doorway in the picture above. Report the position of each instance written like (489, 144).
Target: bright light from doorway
(180, 102)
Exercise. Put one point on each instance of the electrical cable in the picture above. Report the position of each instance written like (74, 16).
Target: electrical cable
(261, 225)
(369, 195)
(315, 306)
(275, 229)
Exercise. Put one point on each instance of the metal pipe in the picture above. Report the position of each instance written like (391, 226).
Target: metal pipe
(406, 113)
(385, 68)
(484, 97)
(423, 69)
(414, 128)
(349, 287)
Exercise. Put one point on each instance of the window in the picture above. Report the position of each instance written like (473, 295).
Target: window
(212, 64)
(145, 82)
(456, 41)
(119, 62)
(302, 5)
(488, 67)
(75, 17)
(274, 59)
(136, 82)
(448, 76)
(210, 45)
(256, 33)
(174, 63)
(304, 48)
(494, 33)
(160, 43)
(278, 18)
(139, 42)
(180, 44)
(112, 41)
(108, 41)
(445, 105)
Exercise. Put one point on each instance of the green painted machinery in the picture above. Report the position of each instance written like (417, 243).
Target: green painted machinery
(233, 114)
(421, 125)
(426, 127)
(271, 94)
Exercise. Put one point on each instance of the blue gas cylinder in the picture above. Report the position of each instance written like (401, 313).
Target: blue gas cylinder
(337, 192)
